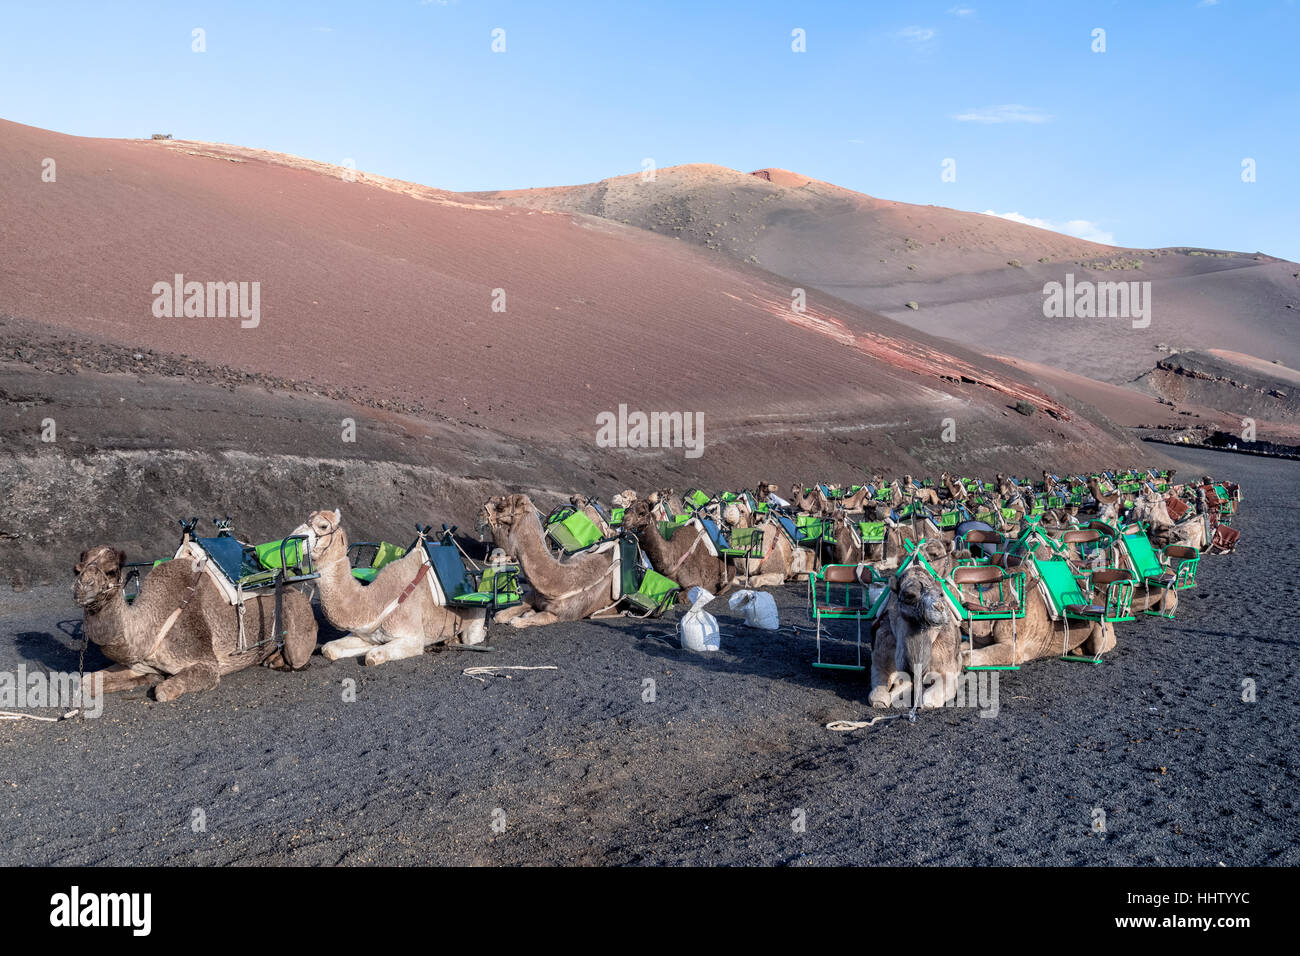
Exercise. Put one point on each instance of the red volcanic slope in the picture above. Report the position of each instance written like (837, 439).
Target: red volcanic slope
(390, 286)
(976, 279)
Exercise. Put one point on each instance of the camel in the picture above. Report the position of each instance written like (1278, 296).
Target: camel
(579, 586)
(781, 560)
(180, 632)
(906, 492)
(886, 555)
(918, 634)
(685, 558)
(915, 640)
(1151, 510)
(1036, 635)
(393, 617)
(1108, 505)
(955, 489)
(856, 501)
(809, 502)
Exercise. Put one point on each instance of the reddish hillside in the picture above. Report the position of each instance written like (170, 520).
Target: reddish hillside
(974, 278)
(387, 288)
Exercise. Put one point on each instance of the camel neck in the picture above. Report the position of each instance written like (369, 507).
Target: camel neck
(111, 627)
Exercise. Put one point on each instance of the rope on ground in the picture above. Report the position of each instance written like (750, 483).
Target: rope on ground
(847, 725)
(11, 715)
(483, 673)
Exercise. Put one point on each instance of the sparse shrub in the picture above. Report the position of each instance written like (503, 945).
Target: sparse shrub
(913, 306)
(1024, 408)
(1014, 263)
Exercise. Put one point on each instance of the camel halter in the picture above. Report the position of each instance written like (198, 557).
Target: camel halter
(109, 586)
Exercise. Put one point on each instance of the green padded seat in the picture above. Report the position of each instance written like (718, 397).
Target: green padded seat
(575, 533)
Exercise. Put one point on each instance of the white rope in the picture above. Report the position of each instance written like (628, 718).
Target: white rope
(847, 725)
(482, 673)
(11, 715)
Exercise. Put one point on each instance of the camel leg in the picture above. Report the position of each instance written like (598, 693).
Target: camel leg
(936, 694)
(412, 646)
(999, 654)
(773, 579)
(511, 613)
(351, 645)
(300, 638)
(195, 677)
(886, 680)
(119, 677)
(534, 619)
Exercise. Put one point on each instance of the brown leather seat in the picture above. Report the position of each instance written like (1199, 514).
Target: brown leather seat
(977, 574)
(842, 574)
(1001, 607)
(1181, 551)
(1081, 536)
(980, 536)
(1090, 610)
(1109, 576)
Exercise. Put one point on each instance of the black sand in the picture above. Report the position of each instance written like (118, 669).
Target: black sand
(714, 770)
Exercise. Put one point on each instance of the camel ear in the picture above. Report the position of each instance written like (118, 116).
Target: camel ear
(121, 558)
(893, 583)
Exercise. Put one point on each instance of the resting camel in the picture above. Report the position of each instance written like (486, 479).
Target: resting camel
(577, 587)
(906, 493)
(685, 558)
(955, 489)
(781, 560)
(918, 634)
(393, 617)
(884, 555)
(1037, 635)
(180, 629)
(809, 502)
(915, 638)
(1151, 509)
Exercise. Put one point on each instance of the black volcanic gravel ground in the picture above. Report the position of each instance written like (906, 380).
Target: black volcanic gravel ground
(581, 770)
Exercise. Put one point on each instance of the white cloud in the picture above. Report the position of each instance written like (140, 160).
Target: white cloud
(1079, 228)
(917, 34)
(1006, 113)
(962, 11)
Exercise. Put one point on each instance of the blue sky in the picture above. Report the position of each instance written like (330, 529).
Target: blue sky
(1142, 144)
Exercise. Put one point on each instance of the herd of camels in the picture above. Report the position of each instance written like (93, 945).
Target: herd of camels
(182, 633)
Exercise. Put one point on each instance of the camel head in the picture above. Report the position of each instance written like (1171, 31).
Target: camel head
(624, 498)
(324, 533)
(926, 619)
(99, 572)
(503, 516)
(639, 516)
